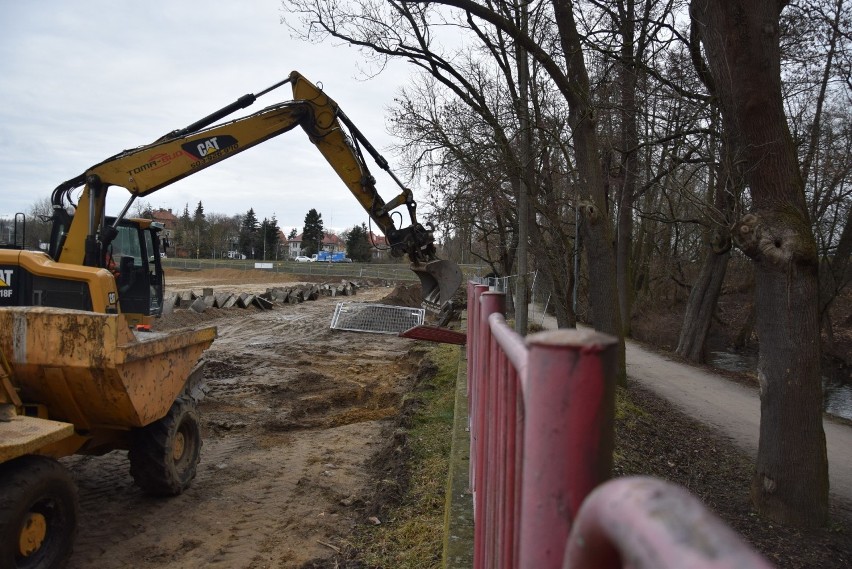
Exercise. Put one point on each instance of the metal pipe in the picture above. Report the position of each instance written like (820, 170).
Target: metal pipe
(359, 136)
(124, 210)
(653, 523)
(241, 103)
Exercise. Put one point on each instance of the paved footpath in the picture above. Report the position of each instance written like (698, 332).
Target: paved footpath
(729, 407)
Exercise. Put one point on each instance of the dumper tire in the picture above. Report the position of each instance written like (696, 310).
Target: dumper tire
(164, 455)
(38, 513)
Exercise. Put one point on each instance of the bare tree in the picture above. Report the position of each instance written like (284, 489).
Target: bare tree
(816, 51)
(38, 224)
(705, 291)
(465, 156)
(573, 84)
(741, 42)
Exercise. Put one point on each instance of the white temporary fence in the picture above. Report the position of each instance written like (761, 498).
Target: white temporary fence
(376, 318)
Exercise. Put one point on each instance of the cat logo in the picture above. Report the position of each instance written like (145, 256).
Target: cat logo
(209, 147)
(6, 283)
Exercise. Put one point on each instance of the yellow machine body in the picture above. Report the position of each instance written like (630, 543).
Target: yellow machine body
(91, 371)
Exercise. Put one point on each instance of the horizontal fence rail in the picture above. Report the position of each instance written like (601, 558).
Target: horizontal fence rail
(541, 419)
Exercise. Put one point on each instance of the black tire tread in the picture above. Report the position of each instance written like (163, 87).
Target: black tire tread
(23, 477)
(149, 460)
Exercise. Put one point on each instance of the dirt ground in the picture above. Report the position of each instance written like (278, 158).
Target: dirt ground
(293, 414)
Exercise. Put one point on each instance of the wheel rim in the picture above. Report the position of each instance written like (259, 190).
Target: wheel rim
(179, 446)
(32, 535)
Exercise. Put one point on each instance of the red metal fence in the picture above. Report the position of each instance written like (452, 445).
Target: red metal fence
(541, 424)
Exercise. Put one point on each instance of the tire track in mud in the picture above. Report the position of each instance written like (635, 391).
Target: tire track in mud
(293, 414)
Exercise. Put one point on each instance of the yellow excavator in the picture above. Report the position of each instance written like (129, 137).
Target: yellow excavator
(79, 372)
(84, 239)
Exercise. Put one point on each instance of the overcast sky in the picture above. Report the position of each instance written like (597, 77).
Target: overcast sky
(81, 81)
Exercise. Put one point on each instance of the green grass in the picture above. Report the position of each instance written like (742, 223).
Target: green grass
(625, 409)
(411, 532)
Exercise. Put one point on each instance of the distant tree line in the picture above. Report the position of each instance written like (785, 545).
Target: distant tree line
(202, 235)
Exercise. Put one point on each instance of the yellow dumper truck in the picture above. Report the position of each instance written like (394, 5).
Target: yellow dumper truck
(81, 382)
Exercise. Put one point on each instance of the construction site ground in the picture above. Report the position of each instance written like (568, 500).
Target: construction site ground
(294, 417)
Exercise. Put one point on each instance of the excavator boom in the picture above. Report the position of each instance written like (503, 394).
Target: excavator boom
(186, 151)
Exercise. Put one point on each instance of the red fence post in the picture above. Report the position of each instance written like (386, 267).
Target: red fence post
(471, 318)
(569, 398)
(481, 433)
(474, 372)
(512, 367)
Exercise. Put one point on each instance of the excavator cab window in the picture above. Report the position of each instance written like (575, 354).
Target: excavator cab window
(13, 232)
(156, 277)
(133, 257)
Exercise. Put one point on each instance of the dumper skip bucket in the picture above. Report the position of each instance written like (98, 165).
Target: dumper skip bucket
(92, 370)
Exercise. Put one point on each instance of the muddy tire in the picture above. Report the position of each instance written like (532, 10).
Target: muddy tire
(38, 513)
(164, 455)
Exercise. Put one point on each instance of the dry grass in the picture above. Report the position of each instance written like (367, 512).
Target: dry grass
(411, 533)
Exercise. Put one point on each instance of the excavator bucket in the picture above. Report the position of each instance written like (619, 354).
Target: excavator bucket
(439, 281)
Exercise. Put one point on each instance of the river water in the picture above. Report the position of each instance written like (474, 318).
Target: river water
(836, 385)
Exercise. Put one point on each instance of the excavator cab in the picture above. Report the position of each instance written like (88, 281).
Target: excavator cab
(130, 250)
(134, 259)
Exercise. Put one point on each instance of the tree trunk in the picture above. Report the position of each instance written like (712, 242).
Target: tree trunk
(834, 270)
(700, 307)
(525, 153)
(834, 276)
(741, 41)
(704, 295)
(627, 78)
(746, 330)
(644, 251)
(596, 228)
(559, 273)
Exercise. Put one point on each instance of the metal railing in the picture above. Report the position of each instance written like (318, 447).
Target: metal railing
(541, 416)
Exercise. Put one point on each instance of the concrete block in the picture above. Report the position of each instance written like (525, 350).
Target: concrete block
(198, 305)
(221, 299)
(169, 303)
(458, 519)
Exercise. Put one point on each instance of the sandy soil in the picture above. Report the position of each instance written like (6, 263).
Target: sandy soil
(293, 415)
